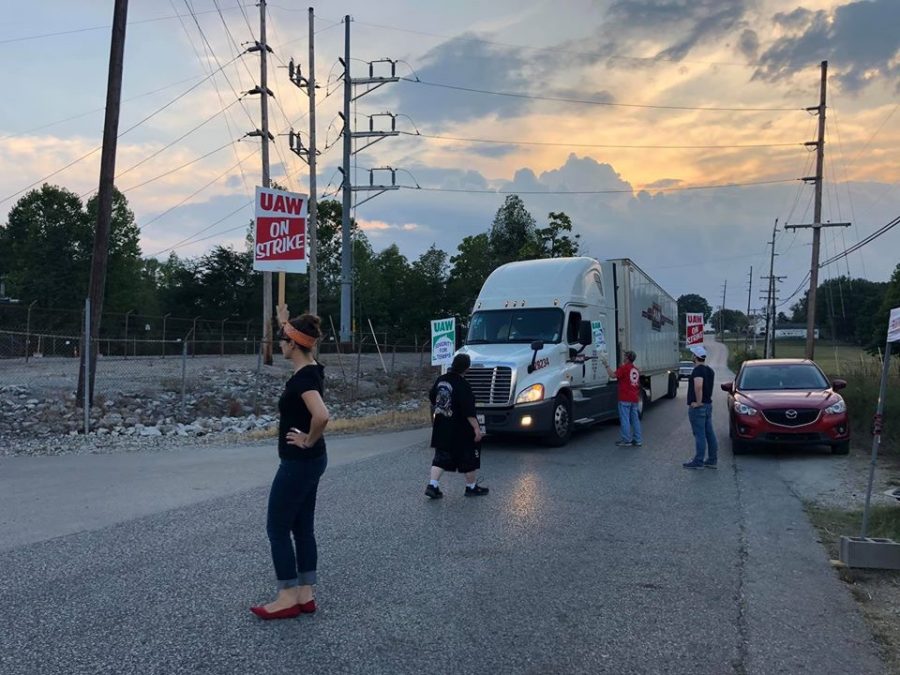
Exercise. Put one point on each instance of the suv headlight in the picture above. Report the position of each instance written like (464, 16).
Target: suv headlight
(836, 408)
(743, 409)
(531, 394)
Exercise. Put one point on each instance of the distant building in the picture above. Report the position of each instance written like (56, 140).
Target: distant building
(793, 330)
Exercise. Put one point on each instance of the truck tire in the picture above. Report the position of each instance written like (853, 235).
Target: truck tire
(642, 403)
(673, 386)
(561, 429)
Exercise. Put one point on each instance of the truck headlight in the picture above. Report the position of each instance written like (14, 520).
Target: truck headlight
(743, 409)
(836, 408)
(531, 394)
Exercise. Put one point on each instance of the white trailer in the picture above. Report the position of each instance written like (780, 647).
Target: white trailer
(538, 333)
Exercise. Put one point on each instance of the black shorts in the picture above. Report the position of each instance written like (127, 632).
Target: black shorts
(462, 460)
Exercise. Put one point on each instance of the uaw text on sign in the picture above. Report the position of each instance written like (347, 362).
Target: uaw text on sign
(280, 231)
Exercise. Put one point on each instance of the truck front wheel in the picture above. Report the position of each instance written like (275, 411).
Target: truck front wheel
(561, 429)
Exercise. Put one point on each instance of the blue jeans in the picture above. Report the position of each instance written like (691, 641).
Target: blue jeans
(630, 423)
(292, 511)
(704, 436)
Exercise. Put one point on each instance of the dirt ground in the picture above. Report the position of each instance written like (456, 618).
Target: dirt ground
(834, 490)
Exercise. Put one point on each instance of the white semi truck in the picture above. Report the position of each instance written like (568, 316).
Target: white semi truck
(540, 329)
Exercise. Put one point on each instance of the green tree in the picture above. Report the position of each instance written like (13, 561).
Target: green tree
(513, 232)
(124, 265)
(426, 291)
(845, 308)
(470, 267)
(731, 320)
(694, 304)
(45, 248)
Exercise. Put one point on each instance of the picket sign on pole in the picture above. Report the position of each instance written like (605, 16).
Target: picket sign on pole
(893, 335)
(279, 242)
(443, 342)
(693, 333)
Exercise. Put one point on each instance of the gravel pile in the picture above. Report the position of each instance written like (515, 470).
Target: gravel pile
(222, 404)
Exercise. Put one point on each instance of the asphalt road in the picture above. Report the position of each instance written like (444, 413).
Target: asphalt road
(584, 559)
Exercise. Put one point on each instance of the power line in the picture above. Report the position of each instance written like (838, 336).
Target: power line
(597, 145)
(95, 110)
(205, 229)
(198, 191)
(103, 27)
(179, 168)
(858, 245)
(563, 99)
(574, 52)
(96, 149)
(602, 192)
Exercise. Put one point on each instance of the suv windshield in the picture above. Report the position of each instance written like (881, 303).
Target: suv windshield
(782, 376)
(515, 325)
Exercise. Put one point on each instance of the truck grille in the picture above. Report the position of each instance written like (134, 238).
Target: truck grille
(791, 417)
(491, 386)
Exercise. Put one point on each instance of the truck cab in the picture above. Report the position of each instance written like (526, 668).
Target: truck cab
(537, 336)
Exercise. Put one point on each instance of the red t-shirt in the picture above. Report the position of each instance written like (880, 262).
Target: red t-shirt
(629, 379)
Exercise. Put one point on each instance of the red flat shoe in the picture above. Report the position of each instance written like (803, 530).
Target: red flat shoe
(288, 613)
(307, 607)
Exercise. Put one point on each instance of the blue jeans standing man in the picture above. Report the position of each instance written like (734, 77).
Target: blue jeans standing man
(629, 424)
(699, 401)
(705, 442)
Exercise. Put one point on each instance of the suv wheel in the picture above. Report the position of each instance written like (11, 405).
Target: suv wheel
(841, 448)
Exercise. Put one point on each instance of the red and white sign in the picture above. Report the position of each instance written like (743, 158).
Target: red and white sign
(279, 242)
(694, 329)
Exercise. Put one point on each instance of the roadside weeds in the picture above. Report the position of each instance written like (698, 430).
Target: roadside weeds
(877, 592)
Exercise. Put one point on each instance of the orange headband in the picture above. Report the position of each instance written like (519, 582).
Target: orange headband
(299, 337)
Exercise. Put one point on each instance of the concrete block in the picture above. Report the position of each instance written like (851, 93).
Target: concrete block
(870, 552)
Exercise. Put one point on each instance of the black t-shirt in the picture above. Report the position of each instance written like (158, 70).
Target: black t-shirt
(709, 376)
(453, 403)
(294, 412)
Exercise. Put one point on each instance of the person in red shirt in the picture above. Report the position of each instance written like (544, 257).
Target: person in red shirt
(628, 378)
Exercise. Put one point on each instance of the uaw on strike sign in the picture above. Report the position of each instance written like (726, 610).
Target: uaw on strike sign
(693, 334)
(280, 234)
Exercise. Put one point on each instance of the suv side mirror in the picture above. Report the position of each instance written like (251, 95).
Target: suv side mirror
(837, 385)
(728, 386)
(585, 333)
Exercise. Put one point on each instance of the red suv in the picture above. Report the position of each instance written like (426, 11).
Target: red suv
(786, 401)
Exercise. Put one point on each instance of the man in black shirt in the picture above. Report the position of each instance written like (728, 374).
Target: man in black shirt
(456, 434)
(699, 401)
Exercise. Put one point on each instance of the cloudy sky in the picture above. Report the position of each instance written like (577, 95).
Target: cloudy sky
(622, 113)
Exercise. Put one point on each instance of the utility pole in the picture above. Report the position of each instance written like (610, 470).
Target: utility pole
(373, 82)
(264, 136)
(308, 155)
(312, 221)
(346, 250)
(817, 224)
(722, 311)
(100, 255)
(750, 326)
(769, 348)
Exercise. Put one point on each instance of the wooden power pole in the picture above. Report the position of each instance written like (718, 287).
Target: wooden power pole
(817, 223)
(100, 256)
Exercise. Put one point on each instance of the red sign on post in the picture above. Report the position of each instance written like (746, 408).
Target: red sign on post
(279, 243)
(693, 329)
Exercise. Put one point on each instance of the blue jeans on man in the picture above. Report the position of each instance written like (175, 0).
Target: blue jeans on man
(629, 423)
(704, 437)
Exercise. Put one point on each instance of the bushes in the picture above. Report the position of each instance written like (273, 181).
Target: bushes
(861, 396)
(736, 356)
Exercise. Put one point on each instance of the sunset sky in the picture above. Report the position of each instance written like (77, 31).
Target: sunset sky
(734, 76)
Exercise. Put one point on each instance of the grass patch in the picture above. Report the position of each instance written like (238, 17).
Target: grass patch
(832, 523)
(386, 421)
(876, 591)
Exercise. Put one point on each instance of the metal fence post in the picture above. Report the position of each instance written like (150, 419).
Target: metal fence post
(183, 375)
(259, 361)
(28, 332)
(88, 385)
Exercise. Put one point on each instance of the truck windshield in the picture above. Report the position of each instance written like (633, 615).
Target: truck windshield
(515, 325)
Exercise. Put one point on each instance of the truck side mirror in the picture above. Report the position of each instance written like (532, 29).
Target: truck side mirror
(585, 333)
(537, 346)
